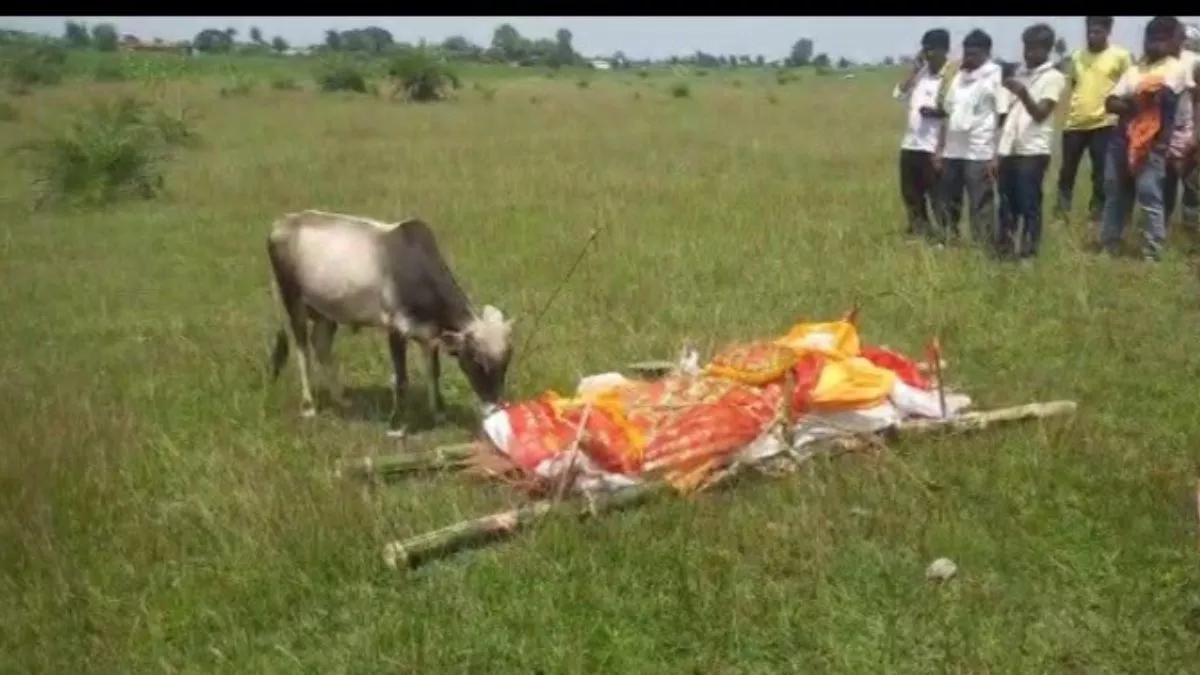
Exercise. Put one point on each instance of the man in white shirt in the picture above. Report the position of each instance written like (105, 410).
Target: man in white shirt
(919, 91)
(1026, 139)
(966, 155)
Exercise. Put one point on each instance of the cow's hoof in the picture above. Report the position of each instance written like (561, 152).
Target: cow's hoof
(398, 433)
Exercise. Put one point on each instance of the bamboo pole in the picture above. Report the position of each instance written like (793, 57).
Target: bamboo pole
(415, 550)
(453, 456)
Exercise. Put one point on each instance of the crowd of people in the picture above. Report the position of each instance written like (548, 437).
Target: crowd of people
(985, 130)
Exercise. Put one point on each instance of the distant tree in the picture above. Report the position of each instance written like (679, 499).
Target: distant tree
(457, 46)
(844, 62)
(279, 44)
(508, 43)
(619, 60)
(760, 60)
(232, 33)
(564, 49)
(76, 35)
(333, 40)
(256, 35)
(802, 53)
(212, 41)
(821, 60)
(889, 61)
(105, 37)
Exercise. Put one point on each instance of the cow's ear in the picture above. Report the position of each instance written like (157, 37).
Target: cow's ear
(453, 341)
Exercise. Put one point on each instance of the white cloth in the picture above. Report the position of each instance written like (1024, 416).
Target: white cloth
(1022, 135)
(1188, 59)
(972, 106)
(922, 132)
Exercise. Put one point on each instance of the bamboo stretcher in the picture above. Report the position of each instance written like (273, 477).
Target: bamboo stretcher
(411, 552)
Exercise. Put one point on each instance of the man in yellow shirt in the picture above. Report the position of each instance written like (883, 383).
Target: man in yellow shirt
(1092, 73)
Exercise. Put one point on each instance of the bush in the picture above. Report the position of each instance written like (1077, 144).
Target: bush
(342, 76)
(109, 71)
(486, 92)
(421, 77)
(285, 84)
(681, 90)
(108, 151)
(583, 83)
(8, 112)
(30, 65)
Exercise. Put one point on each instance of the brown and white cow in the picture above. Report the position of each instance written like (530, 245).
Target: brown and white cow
(334, 269)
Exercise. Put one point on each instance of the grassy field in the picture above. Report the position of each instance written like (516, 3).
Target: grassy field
(163, 509)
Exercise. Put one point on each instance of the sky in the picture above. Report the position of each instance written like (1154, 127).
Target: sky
(856, 38)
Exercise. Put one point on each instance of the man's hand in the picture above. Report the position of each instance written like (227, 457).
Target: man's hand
(993, 169)
(1014, 85)
(1177, 166)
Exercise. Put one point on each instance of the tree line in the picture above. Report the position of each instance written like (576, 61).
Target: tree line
(507, 45)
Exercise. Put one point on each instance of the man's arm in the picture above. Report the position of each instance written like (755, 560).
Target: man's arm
(903, 90)
(1119, 101)
(1041, 103)
(1179, 143)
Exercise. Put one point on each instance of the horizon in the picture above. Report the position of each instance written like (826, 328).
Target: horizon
(859, 39)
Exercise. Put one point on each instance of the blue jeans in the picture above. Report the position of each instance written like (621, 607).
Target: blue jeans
(1021, 204)
(1121, 190)
(1189, 197)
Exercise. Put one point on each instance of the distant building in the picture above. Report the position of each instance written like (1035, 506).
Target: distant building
(601, 64)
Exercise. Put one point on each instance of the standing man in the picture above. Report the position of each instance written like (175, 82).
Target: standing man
(918, 181)
(1026, 140)
(1091, 74)
(966, 151)
(1186, 172)
(1154, 110)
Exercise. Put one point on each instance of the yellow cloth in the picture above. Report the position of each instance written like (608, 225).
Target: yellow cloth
(1092, 77)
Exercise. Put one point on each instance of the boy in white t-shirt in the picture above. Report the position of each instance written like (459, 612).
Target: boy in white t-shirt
(966, 155)
(1026, 139)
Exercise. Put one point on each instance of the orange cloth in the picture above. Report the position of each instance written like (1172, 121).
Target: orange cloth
(1146, 122)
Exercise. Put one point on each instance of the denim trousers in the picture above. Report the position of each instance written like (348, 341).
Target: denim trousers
(1122, 190)
(1021, 204)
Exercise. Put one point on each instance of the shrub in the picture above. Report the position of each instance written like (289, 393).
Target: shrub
(343, 76)
(109, 71)
(583, 83)
(421, 77)
(108, 151)
(681, 90)
(8, 112)
(33, 64)
(486, 92)
(285, 84)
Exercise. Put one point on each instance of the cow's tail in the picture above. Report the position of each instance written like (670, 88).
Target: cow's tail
(279, 353)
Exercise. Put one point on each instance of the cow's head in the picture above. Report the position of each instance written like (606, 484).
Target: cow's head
(483, 349)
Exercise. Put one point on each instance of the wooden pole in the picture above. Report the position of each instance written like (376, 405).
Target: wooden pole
(410, 553)
(454, 456)
(415, 550)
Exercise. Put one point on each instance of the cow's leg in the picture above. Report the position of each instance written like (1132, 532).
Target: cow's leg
(299, 323)
(433, 373)
(323, 332)
(398, 346)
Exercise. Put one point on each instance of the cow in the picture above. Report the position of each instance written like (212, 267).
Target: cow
(333, 269)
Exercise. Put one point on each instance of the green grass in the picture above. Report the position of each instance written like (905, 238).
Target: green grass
(162, 509)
